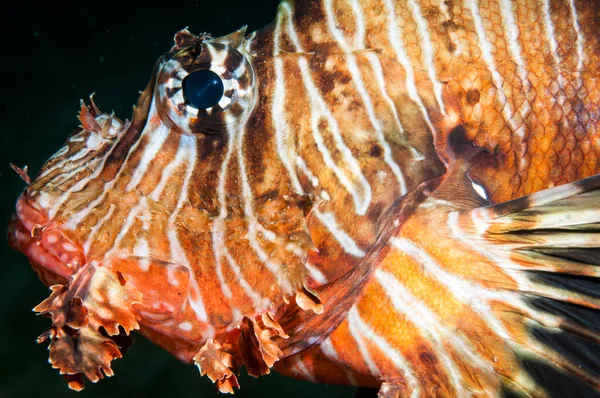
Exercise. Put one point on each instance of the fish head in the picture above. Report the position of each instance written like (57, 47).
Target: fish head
(183, 195)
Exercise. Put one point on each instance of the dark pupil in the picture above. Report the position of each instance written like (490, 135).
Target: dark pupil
(202, 89)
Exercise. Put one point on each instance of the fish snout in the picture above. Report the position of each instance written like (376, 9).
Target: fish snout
(52, 253)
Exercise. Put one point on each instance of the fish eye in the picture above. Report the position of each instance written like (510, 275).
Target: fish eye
(204, 92)
(202, 89)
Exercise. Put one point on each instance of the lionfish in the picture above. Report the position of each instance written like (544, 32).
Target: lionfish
(401, 195)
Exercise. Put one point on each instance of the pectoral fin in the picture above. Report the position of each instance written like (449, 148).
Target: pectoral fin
(548, 244)
(478, 300)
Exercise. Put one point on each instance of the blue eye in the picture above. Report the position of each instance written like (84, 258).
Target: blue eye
(202, 89)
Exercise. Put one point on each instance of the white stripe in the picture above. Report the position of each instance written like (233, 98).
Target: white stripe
(443, 6)
(154, 144)
(278, 111)
(395, 38)
(359, 37)
(429, 325)
(315, 273)
(345, 240)
(358, 81)
(469, 293)
(131, 218)
(378, 70)
(78, 216)
(302, 370)
(513, 32)
(328, 219)
(217, 56)
(355, 321)
(178, 254)
(168, 171)
(219, 227)
(142, 250)
(580, 39)
(329, 350)
(427, 48)
(253, 224)
(580, 44)
(80, 154)
(320, 110)
(260, 304)
(191, 156)
(239, 71)
(551, 36)
(327, 347)
(304, 168)
(281, 127)
(286, 11)
(336, 33)
(96, 228)
(353, 325)
(487, 53)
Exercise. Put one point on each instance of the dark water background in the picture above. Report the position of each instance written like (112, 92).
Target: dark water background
(53, 55)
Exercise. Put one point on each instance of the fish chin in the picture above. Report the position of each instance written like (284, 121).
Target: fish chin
(54, 256)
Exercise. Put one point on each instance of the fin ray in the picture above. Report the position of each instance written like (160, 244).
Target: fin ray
(550, 241)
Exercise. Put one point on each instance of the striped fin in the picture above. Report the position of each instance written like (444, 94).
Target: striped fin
(478, 302)
(549, 245)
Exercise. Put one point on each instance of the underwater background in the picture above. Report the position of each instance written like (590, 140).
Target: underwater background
(53, 55)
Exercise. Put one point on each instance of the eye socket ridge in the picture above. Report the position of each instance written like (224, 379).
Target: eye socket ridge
(202, 89)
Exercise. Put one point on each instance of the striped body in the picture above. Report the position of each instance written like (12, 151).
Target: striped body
(284, 190)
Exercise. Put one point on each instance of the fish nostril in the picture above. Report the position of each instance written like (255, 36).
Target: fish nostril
(203, 89)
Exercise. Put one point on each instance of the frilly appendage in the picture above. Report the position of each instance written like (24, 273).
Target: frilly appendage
(96, 305)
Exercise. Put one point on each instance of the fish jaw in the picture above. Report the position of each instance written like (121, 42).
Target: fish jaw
(54, 256)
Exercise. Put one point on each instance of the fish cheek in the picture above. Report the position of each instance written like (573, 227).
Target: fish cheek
(164, 286)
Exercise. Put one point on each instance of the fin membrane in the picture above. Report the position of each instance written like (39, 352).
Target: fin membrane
(466, 300)
(548, 244)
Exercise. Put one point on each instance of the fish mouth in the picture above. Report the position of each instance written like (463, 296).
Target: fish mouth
(54, 256)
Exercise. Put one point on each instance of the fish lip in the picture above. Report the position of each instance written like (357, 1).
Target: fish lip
(53, 254)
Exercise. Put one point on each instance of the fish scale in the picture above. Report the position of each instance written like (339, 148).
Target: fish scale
(321, 216)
